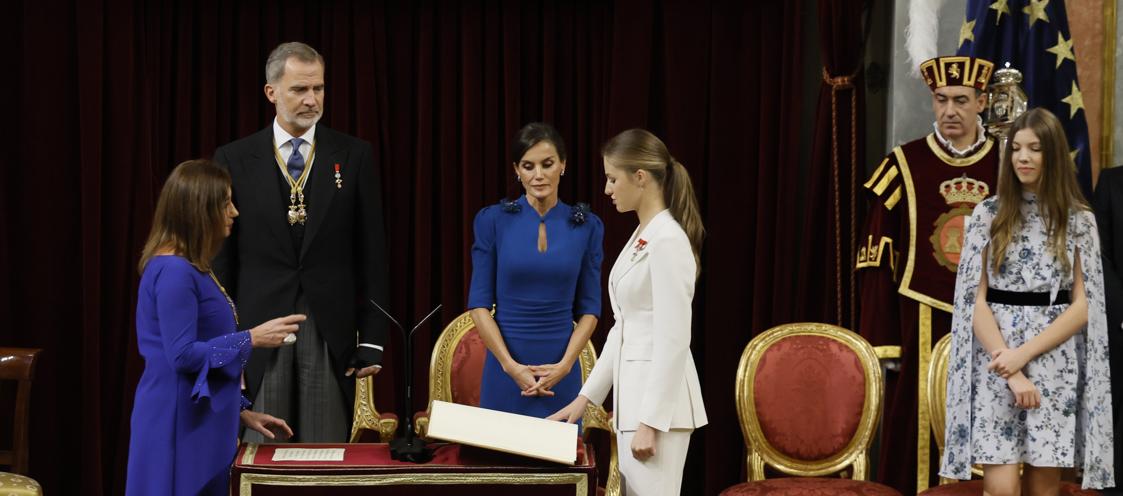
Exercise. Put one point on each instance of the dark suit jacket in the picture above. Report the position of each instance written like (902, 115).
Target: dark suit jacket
(340, 263)
(1109, 218)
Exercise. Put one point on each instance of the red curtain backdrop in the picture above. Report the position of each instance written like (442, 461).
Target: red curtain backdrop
(110, 95)
(838, 157)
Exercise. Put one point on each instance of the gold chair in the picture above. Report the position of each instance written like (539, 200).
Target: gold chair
(809, 400)
(368, 420)
(18, 364)
(455, 371)
(596, 417)
(936, 390)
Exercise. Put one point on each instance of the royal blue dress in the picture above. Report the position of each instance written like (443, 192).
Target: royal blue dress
(185, 415)
(537, 296)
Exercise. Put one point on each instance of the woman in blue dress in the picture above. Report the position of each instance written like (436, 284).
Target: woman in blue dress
(537, 260)
(186, 411)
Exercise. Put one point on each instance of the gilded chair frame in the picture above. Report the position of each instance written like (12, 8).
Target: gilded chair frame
(938, 389)
(761, 452)
(366, 415)
(440, 365)
(440, 389)
(596, 417)
(937, 392)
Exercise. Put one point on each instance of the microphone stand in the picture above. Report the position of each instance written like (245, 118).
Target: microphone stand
(406, 446)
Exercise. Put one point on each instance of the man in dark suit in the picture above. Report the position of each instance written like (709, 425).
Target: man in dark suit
(1109, 217)
(309, 240)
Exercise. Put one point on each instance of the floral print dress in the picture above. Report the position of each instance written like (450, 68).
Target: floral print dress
(1072, 427)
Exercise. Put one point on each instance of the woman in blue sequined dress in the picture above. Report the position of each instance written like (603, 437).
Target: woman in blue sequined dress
(184, 427)
(537, 260)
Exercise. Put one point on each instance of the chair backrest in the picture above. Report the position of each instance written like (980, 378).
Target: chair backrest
(809, 400)
(937, 389)
(456, 368)
(18, 364)
(937, 392)
(457, 363)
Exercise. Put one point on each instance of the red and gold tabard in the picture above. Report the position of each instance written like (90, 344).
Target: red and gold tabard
(920, 199)
(914, 230)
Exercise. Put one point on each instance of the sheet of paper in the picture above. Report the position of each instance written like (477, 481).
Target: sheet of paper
(308, 455)
(502, 431)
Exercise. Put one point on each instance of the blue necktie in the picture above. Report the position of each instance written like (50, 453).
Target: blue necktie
(296, 160)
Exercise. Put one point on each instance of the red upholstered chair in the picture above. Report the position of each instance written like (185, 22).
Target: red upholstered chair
(18, 364)
(937, 397)
(455, 370)
(809, 400)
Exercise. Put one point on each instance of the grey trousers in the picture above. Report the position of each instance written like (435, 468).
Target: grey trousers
(300, 388)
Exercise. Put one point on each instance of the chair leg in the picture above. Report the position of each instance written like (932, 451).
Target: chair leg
(612, 485)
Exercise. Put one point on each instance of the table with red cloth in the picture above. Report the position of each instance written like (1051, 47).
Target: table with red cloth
(454, 469)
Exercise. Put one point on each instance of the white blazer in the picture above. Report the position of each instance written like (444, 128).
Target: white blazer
(646, 359)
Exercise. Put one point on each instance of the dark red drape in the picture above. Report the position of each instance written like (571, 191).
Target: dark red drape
(112, 94)
(837, 162)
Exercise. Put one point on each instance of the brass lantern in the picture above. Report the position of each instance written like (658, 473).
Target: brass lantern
(1005, 102)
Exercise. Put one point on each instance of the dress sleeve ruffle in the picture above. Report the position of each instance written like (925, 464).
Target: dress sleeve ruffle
(228, 354)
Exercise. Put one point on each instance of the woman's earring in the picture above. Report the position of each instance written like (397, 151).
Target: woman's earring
(563, 172)
(518, 179)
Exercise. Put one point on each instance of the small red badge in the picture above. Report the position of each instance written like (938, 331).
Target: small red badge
(639, 246)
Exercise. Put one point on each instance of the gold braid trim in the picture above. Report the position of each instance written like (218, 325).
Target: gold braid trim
(870, 255)
(923, 414)
(840, 83)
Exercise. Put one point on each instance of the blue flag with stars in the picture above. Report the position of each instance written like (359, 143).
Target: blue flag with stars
(1033, 37)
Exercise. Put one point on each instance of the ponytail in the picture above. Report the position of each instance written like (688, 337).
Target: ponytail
(638, 149)
(678, 192)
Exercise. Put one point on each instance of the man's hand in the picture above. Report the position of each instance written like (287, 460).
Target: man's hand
(364, 372)
(364, 362)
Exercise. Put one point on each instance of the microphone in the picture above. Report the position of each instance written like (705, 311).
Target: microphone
(406, 446)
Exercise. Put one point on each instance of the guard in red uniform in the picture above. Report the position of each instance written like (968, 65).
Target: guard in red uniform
(920, 197)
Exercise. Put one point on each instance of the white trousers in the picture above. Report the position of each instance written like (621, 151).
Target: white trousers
(660, 475)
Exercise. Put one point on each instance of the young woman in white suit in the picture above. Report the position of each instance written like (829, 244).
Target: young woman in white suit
(646, 359)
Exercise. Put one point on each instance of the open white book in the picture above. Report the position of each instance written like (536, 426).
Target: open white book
(506, 432)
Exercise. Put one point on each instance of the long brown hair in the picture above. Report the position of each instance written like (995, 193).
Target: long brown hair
(190, 217)
(1057, 190)
(638, 149)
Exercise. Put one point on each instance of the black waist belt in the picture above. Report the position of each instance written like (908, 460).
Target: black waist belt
(1026, 299)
